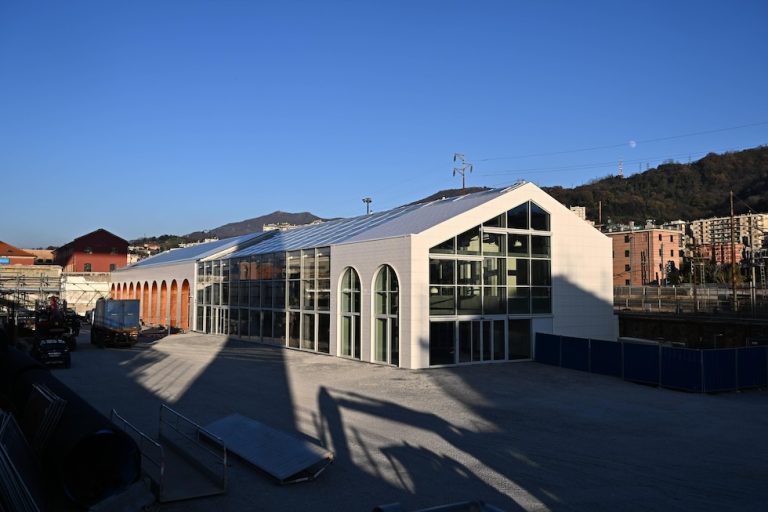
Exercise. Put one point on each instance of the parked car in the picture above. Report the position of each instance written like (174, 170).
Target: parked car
(52, 351)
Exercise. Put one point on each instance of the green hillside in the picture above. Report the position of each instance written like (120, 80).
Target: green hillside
(678, 191)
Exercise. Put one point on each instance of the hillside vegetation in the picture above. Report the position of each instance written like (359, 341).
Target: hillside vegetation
(678, 191)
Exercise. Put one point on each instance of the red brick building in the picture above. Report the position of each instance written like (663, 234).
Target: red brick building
(641, 256)
(10, 255)
(99, 251)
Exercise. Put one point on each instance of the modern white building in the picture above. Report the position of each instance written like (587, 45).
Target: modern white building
(459, 280)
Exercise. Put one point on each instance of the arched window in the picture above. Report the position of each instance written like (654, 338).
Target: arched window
(386, 308)
(350, 314)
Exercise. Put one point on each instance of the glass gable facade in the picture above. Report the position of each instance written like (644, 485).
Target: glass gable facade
(486, 283)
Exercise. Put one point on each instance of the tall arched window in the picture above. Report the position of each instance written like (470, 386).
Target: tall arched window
(386, 308)
(350, 314)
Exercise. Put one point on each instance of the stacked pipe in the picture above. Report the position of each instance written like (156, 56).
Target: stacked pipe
(87, 458)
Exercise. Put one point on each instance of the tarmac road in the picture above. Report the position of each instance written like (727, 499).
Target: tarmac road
(520, 436)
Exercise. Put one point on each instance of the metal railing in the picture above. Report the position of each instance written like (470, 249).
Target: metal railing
(750, 302)
(151, 450)
(207, 449)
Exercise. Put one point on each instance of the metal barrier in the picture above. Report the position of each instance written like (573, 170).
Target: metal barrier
(151, 451)
(695, 370)
(207, 449)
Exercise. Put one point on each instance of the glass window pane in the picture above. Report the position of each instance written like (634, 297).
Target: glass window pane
(499, 336)
(394, 343)
(324, 284)
(541, 300)
(517, 272)
(469, 300)
(357, 337)
(294, 265)
(308, 332)
(380, 343)
(279, 335)
(324, 263)
(442, 271)
(517, 244)
(465, 341)
(499, 221)
(469, 242)
(255, 291)
(540, 246)
(539, 218)
(346, 336)
(447, 247)
(394, 285)
(324, 333)
(308, 264)
(494, 244)
(266, 326)
(468, 272)
(442, 300)
(294, 294)
(519, 339)
(324, 301)
(518, 301)
(540, 273)
(494, 271)
(487, 342)
(294, 330)
(394, 302)
(380, 303)
(267, 294)
(278, 299)
(309, 294)
(346, 302)
(494, 300)
(255, 321)
(442, 339)
(517, 217)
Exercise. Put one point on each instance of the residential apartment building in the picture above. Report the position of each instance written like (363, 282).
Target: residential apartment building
(643, 256)
(749, 230)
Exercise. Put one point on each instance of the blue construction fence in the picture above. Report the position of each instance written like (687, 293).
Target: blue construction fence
(702, 371)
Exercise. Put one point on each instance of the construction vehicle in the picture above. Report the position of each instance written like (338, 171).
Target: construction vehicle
(115, 323)
(53, 322)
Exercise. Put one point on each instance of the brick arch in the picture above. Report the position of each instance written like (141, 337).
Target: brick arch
(137, 291)
(112, 292)
(185, 305)
(163, 306)
(145, 302)
(153, 305)
(124, 293)
(174, 304)
(130, 292)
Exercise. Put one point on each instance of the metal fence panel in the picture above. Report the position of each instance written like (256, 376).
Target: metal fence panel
(574, 353)
(720, 370)
(752, 367)
(605, 357)
(641, 363)
(547, 349)
(680, 369)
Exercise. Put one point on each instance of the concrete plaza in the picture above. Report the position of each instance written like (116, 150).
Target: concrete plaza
(520, 436)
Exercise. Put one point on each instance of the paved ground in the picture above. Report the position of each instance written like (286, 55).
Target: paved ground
(521, 436)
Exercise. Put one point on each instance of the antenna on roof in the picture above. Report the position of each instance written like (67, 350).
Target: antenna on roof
(459, 157)
(367, 201)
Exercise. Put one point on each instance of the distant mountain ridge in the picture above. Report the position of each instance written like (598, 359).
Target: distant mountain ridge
(254, 225)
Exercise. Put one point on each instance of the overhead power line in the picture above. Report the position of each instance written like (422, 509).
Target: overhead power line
(631, 143)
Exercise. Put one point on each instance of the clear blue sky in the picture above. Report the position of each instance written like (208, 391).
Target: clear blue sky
(153, 117)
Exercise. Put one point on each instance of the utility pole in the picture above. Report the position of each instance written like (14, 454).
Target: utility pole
(733, 260)
(464, 165)
(367, 201)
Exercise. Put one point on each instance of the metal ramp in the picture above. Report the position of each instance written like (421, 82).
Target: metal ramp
(287, 458)
(186, 463)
